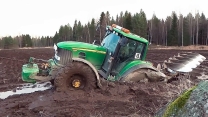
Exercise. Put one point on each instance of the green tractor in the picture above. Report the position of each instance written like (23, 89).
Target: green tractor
(120, 57)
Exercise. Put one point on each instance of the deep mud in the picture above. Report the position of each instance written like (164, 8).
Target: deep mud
(116, 99)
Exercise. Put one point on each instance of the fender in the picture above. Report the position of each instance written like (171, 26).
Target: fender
(92, 67)
(133, 68)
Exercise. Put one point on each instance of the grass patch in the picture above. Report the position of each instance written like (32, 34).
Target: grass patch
(178, 103)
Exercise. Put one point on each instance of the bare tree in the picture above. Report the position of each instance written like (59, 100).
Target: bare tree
(163, 33)
(193, 32)
(197, 28)
(190, 26)
(182, 32)
(179, 29)
(151, 31)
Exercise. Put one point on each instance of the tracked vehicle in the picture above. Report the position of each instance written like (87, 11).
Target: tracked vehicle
(120, 57)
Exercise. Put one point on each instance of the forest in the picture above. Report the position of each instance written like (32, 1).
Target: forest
(175, 30)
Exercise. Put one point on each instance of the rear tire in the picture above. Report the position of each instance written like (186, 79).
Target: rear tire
(75, 75)
(144, 75)
(135, 76)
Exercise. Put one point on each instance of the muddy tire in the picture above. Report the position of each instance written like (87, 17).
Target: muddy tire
(75, 75)
(136, 76)
(144, 75)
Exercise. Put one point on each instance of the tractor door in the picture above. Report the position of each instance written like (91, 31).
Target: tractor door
(110, 42)
(129, 51)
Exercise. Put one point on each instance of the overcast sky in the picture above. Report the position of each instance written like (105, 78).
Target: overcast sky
(44, 17)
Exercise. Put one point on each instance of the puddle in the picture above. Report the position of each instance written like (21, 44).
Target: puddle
(26, 88)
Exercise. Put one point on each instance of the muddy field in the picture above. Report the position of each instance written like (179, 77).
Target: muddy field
(116, 99)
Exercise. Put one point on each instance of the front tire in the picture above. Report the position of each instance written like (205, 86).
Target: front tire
(75, 75)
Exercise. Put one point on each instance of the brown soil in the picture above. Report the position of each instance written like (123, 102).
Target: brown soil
(191, 47)
(116, 99)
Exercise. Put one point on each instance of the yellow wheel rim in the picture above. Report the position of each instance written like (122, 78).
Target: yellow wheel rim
(76, 83)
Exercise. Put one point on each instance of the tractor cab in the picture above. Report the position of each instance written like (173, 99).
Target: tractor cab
(122, 48)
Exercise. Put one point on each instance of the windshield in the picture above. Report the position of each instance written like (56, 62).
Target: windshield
(110, 42)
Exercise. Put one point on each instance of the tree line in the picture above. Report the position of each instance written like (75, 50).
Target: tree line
(175, 30)
(21, 41)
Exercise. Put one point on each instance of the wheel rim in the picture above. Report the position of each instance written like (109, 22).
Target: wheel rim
(77, 82)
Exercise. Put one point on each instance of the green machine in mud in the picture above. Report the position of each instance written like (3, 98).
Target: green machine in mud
(120, 57)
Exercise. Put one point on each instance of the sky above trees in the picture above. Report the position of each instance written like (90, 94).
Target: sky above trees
(44, 17)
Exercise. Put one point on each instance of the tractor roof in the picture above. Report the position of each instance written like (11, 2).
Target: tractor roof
(127, 33)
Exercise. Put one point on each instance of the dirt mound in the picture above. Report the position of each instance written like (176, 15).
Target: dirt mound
(114, 99)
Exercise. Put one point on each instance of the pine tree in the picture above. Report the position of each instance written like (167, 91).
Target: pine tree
(75, 36)
(56, 38)
(136, 24)
(107, 17)
(173, 33)
(79, 31)
(128, 21)
(142, 24)
(186, 34)
(202, 29)
(155, 30)
(66, 33)
(8, 42)
(121, 19)
(92, 31)
(61, 33)
(102, 25)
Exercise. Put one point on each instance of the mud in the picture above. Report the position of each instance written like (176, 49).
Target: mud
(115, 99)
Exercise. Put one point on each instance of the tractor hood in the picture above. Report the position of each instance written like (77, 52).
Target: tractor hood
(90, 52)
(71, 45)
